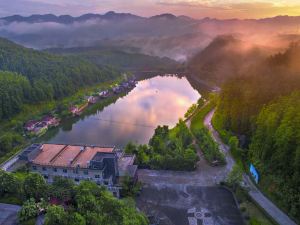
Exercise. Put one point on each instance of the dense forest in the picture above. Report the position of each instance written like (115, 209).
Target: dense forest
(46, 76)
(167, 149)
(83, 204)
(125, 59)
(262, 108)
(275, 148)
(223, 58)
(14, 90)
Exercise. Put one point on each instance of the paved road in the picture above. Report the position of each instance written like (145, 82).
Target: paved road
(279, 216)
(8, 214)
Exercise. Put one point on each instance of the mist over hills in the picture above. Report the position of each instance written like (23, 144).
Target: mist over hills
(166, 35)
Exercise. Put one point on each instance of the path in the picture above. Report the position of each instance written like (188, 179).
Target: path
(273, 211)
(8, 214)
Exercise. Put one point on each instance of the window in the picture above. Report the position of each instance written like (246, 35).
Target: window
(54, 169)
(65, 170)
(106, 182)
(86, 172)
(76, 179)
(97, 176)
(34, 167)
(44, 169)
(75, 171)
(46, 177)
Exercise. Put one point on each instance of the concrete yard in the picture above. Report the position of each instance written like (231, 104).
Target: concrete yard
(8, 214)
(189, 205)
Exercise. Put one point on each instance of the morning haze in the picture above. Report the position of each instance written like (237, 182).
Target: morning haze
(154, 112)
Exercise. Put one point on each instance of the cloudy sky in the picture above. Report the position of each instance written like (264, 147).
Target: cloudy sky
(193, 8)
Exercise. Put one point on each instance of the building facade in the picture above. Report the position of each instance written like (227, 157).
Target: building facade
(104, 165)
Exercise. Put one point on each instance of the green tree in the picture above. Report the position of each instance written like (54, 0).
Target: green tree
(75, 219)
(56, 215)
(62, 188)
(9, 184)
(28, 211)
(35, 186)
(235, 177)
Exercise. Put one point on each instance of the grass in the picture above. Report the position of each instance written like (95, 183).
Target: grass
(11, 200)
(254, 214)
(225, 137)
(198, 118)
(29, 222)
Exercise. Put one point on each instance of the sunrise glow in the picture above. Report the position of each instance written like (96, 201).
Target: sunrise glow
(193, 8)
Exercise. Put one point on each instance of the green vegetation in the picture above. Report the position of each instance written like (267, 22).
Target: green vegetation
(204, 140)
(261, 109)
(123, 59)
(275, 147)
(46, 76)
(252, 213)
(167, 149)
(235, 177)
(83, 204)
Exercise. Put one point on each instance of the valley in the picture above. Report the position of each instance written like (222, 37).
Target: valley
(124, 119)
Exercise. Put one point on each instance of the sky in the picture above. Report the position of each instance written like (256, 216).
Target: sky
(222, 9)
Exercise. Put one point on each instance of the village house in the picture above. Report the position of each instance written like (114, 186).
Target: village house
(92, 100)
(117, 89)
(106, 166)
(50, 120)
(30, 125)
(39, 127)
(104, 94)
(74, 110)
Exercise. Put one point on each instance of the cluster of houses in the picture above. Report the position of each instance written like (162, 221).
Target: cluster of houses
(75, 110)
(39, 127)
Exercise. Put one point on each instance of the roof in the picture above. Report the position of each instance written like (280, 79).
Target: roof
(58, 155)
(48, 118)
(126, 166)
(31, 123)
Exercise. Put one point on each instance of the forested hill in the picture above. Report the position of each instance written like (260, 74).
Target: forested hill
(44, 76)
(263, 106)
(224, 58)
(243, 96)
(126, 59)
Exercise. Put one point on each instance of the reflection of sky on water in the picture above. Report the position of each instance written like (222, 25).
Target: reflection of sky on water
(157, 101)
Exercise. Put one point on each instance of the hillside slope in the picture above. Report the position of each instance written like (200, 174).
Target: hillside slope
(49, 76)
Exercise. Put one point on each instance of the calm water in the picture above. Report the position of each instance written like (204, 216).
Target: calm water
(156, 101)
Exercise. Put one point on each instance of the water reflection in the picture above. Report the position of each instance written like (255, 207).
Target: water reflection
(157, 101)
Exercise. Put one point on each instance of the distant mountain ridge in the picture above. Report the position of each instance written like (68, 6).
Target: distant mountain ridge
(164, 35)
(67, 19)
(111, 15)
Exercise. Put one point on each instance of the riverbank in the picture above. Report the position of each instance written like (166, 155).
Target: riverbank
(12, 135)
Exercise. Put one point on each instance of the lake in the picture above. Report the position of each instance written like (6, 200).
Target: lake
(161, 100)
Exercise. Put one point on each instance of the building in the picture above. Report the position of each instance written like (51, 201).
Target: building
(74, 110)
(104, 165)
(50, 120)
(30, 125)
(92, 99)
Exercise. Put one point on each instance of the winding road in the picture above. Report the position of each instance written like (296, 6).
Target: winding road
(273, 211)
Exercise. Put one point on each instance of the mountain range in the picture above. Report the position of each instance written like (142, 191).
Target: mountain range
(165, 35)
(111, 15)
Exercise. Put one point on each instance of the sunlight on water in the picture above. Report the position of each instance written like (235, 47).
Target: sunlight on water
(156, 101)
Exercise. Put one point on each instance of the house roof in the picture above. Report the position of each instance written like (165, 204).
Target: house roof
(126, 165)
(31, 123)
(68, 155)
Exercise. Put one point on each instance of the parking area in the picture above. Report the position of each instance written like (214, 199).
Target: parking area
(8, 214)
(189, 205)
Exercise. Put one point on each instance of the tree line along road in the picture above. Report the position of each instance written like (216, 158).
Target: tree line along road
(273, 211)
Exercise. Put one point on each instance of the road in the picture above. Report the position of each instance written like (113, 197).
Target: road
(273, 211)
(8, 214)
